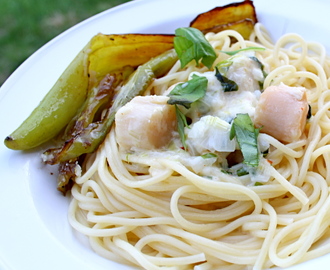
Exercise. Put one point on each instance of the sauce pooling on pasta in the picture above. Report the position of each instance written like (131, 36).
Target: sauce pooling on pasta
(147, 123)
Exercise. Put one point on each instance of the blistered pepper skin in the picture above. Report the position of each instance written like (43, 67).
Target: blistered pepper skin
(55, 110)
(92, 136)
(102, 55)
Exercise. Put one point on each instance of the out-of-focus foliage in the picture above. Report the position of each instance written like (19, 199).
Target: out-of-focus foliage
(26, 25)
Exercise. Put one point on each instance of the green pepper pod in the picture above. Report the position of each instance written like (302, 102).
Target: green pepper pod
(104, 54)
(55, 110)
(94, 134)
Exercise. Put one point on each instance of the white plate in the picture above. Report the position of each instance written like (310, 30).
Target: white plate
(34, 232)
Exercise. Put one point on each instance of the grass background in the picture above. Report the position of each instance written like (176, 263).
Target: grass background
(26, 25)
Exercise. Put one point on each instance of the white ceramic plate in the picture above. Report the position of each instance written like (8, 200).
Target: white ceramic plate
(34, 231)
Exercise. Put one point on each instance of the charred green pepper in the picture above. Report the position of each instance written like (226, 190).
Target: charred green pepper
(90, 137)
(55, 110)
(104, 54)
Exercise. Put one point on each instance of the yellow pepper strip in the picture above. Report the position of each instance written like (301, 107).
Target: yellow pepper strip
(239, 16)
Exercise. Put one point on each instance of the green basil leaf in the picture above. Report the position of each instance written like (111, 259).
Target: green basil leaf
(182, 123)
(188, 92)
(226, 172)
(242, 172)
(245, 49)
(246, 135)
(191, 44)
(257, 184)
(261, 65)
(309, 113)
(225, 64)
(209, 155)
(227, 85)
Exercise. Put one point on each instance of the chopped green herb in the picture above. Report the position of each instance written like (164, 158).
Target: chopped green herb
(188, 92)
(209, 155)
(245, 49)
(225, 64)
(227, 85)
(127, 157)
(258, 184)
(265, 153)
(261, 65)
(242, 172)
(226, 172)
(185, 94)
(182, 123)
(309, 113)
(246, 135)
(191, 44)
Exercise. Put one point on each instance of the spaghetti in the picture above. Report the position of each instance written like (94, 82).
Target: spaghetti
(152, 210)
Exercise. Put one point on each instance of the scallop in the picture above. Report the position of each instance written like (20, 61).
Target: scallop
(282, 112)
(146, 122)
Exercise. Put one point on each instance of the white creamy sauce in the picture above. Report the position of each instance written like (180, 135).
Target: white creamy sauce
(211, 118)
(247, 74)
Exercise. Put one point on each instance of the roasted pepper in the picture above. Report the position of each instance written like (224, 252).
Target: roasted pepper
(89, 138)
(104, 54)
(239, 16)
(55, 110)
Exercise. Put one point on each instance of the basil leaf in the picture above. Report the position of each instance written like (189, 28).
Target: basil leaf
(185, 94)
(246, 135)
(226, 172)
(182, 123)
(309, 113)
(191, 44)
(245, 49)
(188, 92)
(227, 85)
(209, 155)
(261, 65)
(242, 172)
(225, 64)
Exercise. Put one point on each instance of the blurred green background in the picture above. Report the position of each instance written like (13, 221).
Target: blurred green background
(26, 25)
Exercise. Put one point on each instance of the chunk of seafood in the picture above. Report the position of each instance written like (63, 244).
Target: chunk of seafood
(282, 112)
(146, 122)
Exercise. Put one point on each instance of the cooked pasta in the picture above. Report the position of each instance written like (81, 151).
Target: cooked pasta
(169, 209)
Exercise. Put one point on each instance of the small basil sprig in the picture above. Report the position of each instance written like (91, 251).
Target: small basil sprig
(309, 113)
(191, 44)
(227, 84)
(208, 155)
(261, 65)
(247, 137)
(188, 92)
(185, 94)
(182, 123)
(245, 49)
